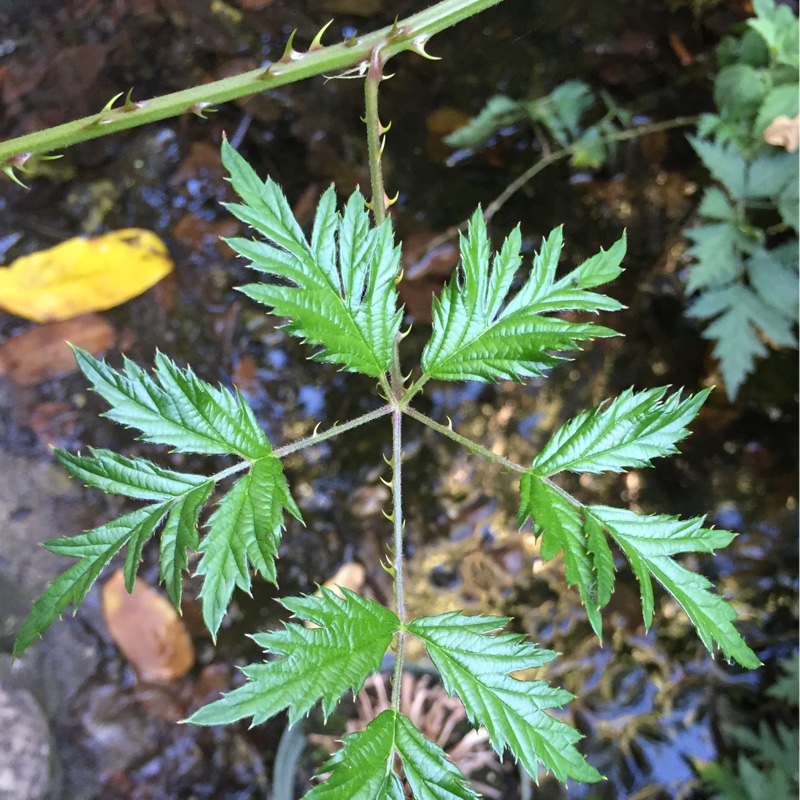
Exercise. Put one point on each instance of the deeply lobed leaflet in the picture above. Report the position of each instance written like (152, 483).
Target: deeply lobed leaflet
(337, 291)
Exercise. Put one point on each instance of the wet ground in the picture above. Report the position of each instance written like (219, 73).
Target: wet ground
(648, 703)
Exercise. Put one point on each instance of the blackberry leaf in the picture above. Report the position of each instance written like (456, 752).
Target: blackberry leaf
(319, 663)
(627, 432)
(481, 334)
(475, 661)
(173, 407)
(363, 769)
(339, 290)
(649, 543)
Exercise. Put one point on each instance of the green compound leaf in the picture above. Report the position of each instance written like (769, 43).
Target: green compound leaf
(725, 164)
(718, 249)
(562, 109)
(189, 414)
(739, 315)
(319, 663)
(475, 664)
(95, 549)
(340, 289)
(363, 769)
(177, 408)
(498, 112)
(246, 527)
(627, 432)
(561, 528)
(649, 543)
(481, 335)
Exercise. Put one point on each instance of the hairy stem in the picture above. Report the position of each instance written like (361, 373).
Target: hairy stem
(397, 522)
(316, 438)
(411, 33)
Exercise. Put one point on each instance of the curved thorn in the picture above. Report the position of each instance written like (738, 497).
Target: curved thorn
(384, 128)
(289, 53)
(418, 46)
(389, 461)
(9, 171)
(316, 428)
(201, 109)
(399, 276)
(390, 201)
(384, 481)
(110, 104)
(449, 423)
(316, 44)
(390, 517)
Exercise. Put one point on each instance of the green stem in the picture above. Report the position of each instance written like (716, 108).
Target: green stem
(316, 438)
(559, 155)
(468, 444)
(412, 33)
(480, 450)
(397, 523)
(414, 389)
(375, 133)
(308, 441)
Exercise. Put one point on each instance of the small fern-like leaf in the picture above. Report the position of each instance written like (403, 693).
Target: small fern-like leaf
(739, 316)
(341, 291)
(180, 535)
(480, 334)
(320, 663)
(475, 661)
(177, 408)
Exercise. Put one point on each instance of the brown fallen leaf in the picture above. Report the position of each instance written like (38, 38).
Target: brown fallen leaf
(42, 352)
(53, 422)
(147, 629)
(351, 575)
(784, 132)
(82, 275)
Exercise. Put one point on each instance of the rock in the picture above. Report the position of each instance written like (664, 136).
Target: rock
(25, 750)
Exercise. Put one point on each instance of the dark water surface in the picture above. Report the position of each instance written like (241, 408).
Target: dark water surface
(648, 703)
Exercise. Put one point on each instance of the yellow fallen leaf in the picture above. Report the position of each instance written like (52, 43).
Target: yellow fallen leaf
(82, 275)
